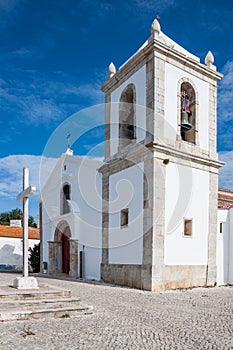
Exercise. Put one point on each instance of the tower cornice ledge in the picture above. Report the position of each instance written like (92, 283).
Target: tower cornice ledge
(181, 154)
(158, 48)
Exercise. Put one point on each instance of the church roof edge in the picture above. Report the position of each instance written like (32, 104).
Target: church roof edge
(160, 48)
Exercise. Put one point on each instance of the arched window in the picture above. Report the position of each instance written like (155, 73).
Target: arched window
(65, 196)
(187, 112)
(127, 120)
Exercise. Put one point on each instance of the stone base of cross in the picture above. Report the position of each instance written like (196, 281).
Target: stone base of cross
(29, 282)
(25, 282)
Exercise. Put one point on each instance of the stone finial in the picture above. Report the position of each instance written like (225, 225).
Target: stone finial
(69, 151)
(155, 27)
(111, 70)
(209, 59)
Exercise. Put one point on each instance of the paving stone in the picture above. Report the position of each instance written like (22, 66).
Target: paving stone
(125, 318)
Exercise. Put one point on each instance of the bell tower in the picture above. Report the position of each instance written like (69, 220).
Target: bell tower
(160, 175)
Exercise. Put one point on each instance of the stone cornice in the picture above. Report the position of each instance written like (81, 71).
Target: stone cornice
(158, 47)
(132, 156)
(181, 154)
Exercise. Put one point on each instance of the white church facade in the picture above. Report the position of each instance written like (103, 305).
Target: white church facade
(70, 210)
(156, 225)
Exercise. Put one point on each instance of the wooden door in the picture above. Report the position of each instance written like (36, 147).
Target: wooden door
(65, 253)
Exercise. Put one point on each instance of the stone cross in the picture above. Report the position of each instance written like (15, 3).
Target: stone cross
(25, 282)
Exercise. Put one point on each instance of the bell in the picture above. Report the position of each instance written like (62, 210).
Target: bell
(185, 121)
(130, 127)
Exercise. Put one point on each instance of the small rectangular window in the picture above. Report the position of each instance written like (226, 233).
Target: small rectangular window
(188, 227)
(124, 217)
(221, 227)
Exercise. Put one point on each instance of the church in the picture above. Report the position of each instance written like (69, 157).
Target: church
(147, 215)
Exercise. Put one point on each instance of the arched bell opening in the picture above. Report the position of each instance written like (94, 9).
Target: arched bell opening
(188, 113)
(127, 119)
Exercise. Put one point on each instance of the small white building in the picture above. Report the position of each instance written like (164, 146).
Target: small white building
(71, 217)
(11, 246)
(225, 237)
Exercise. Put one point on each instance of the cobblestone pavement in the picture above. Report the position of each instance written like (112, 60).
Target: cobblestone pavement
(127, 318)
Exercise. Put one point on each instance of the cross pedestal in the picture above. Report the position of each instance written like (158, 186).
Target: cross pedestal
(25, 282)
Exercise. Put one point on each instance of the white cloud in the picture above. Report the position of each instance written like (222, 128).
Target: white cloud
(226, 172)
(38, 110)
(11, 173)
(44, 99)
(86, 90)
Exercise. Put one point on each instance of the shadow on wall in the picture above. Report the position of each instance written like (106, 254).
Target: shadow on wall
(9, 260)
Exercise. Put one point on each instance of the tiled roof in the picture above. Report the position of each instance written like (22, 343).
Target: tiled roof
(17, 232)
(225, 198)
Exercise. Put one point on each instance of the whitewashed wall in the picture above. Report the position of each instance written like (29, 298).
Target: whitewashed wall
(126, 191)
(11, 250)
(172, 76)
(187, 196)
(85, 222)
(139, 80)
(225, 247)
(230, 277)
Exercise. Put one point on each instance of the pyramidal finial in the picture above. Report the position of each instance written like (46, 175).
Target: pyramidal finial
(111, 70)
(155, 27)
(209, 59)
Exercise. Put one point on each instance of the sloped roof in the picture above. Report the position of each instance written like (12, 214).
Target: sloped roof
(17, 232)
(164, 39)
(225, 198)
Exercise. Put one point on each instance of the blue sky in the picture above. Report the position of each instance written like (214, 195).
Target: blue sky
(54, 56)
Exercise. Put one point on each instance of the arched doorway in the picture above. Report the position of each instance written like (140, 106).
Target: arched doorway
(61, 248)
(65, 240)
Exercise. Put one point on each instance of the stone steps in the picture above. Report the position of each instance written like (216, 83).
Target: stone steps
(8, 293)
(28, 314)
(45, 302)
(34, 302)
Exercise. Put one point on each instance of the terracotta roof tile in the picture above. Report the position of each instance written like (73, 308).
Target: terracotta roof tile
(225, 198)
(17, 232)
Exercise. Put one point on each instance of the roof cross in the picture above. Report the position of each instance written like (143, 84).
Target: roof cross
(68, 138)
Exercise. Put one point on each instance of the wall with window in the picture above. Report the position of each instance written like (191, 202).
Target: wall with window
(126, 216)
(138, 84)
(85, 208)
(186, 215)
(174, 78)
